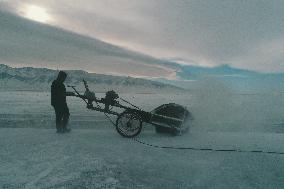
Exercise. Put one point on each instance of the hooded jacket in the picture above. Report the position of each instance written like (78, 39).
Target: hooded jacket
(58, 93)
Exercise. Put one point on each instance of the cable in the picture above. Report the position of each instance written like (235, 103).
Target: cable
(207, 149)
(187, 148)
(130, 103)
(104, 112)
(194, 148)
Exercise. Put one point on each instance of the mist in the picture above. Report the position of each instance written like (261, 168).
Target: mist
(217, 106)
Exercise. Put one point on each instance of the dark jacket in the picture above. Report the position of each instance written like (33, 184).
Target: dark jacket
(58, 93)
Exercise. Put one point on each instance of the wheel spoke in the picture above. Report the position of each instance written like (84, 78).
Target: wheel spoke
(129, 124)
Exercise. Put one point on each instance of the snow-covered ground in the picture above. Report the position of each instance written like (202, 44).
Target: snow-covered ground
(93, 155)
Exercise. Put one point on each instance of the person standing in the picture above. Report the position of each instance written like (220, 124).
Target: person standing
(58, 101)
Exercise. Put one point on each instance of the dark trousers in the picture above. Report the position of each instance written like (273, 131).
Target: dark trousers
(62, 116)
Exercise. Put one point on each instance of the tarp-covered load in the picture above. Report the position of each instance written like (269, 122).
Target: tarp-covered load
(171, 118)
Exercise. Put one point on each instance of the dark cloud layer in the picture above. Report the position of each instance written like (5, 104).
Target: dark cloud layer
(245, 34)
(27, 43)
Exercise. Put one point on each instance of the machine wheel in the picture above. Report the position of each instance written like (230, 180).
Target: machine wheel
(129, 124)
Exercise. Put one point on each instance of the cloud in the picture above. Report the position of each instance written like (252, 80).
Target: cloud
(208, 32)
(28, 43)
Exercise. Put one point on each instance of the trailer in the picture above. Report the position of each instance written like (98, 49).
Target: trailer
(167, 118)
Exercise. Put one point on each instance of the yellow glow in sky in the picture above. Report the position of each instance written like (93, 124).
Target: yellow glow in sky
(36, 13)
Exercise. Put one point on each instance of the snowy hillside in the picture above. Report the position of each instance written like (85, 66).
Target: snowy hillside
(28, 78)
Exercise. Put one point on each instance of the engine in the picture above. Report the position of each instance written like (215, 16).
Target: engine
(110, 98)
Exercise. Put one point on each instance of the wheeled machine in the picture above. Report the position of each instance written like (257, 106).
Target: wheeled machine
(167, 118)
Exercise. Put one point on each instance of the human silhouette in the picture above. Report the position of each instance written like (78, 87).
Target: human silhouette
(58, 101)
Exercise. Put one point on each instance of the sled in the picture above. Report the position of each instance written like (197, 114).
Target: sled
(167, 118)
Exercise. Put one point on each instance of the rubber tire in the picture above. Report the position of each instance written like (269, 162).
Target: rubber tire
(121, 132)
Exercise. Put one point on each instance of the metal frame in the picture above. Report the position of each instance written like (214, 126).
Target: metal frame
(146, 117)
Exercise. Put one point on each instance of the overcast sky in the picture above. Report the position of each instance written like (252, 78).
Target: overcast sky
(242, 33)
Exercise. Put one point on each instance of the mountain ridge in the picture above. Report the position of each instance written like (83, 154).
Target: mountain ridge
(189, 72)
(29, 78)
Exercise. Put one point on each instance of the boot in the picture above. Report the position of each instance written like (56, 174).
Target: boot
(66, 130)
(59, 130)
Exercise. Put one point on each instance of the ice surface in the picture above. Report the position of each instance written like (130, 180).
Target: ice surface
(93, 155)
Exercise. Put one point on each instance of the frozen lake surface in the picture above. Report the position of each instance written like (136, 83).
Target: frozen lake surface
(93, 155)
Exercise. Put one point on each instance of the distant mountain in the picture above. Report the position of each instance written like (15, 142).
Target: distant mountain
(28, 78)
(192, 77)
(191, 72)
